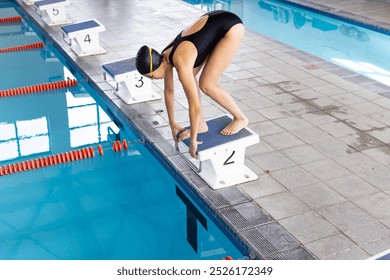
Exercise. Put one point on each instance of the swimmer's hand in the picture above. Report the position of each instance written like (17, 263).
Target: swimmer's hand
(194, 148)
(177, 133)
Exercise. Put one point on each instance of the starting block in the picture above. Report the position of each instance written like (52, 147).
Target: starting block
(221, 158)
(83, 37)
(52, 12)
(30, 2)
(129, 85)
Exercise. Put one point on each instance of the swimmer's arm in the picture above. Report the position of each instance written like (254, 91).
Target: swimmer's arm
(188, 82)
(169, 96)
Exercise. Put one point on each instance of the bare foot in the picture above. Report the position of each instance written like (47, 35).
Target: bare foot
(235, 126)
(203, 128)
(184, 134)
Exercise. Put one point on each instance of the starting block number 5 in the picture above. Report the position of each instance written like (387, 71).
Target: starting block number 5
(56, 12)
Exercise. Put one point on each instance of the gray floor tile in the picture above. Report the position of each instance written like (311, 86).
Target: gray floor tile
(266, 128)
(264, 186)
(282, 140)
(272, 161)
(308, 227)
(346, 216)
(351, 186)
(368, 233)
(382, 134)
(377, 247)
(365, 123)
(355, 253)
(318, 195)
(303, 154)
(299, 108)
(294, 177)
(330, 246)
(361, 141)
(275, 112)
(376, 204)
(310, 134)
(333, 147)
(326, 169)
(338, 129)
(318, 118)
(381, 154)
(291, 123)
(282, 205)
(386, 221)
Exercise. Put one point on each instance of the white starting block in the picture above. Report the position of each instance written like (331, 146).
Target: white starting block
(128, 84)
(52, 12)
(83, 37)
(221, 158)
(30, 2)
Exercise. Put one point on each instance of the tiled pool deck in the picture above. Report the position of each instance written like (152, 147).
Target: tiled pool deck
(324, 156)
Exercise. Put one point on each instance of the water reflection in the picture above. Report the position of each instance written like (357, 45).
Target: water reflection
(330, 39)
(50, 122)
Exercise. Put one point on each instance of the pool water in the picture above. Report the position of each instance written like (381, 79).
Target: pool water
(121, 205)
(359, 49)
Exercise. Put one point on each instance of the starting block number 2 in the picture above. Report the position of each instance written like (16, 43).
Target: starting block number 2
(229, 161)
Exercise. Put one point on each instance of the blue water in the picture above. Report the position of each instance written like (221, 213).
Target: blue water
(117, 206)
(359, 49)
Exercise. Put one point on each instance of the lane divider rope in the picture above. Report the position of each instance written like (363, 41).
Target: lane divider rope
(57, 159)
(47, 161)
(10, 19)
(117, 146)
(38, 88)
(26, 47)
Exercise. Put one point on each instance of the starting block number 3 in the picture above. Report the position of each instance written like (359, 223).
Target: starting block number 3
(138, 84)
(138, 81)
(127, 82)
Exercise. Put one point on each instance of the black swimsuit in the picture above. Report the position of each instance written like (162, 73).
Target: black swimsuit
(205, 40)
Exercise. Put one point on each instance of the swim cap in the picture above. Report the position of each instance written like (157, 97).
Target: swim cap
(147, 60)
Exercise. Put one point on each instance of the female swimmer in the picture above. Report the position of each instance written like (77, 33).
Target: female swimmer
(209, 43)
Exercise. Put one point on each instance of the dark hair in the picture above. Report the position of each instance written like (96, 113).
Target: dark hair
(142, 60)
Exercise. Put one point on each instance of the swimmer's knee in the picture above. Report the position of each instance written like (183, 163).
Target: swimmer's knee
(205, 85)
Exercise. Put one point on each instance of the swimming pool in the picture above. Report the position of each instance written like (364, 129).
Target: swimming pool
(360, 49)
(120, 205)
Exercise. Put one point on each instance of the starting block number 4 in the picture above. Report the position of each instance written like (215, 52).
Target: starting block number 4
(83, 37)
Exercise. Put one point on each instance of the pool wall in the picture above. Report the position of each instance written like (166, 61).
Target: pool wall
(371, 24)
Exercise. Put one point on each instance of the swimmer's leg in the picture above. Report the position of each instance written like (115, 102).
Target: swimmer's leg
(216, 64)
(203, 127)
